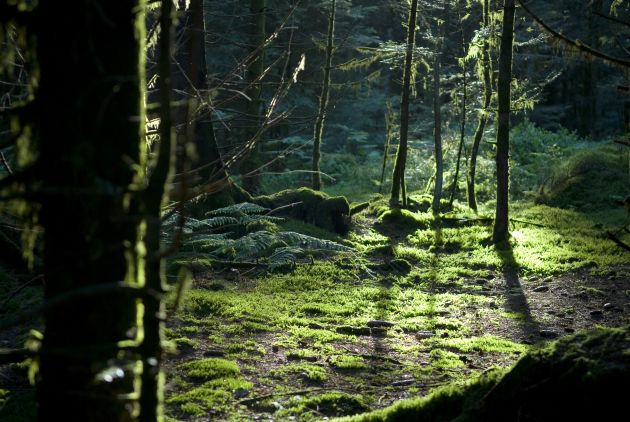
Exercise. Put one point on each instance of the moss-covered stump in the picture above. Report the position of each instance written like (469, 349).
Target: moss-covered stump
(580, 378)
(313, 207)
(588, 180)
(230, 195)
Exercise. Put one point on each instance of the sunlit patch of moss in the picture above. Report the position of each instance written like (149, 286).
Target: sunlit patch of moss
(328, 404)
(444, 359)
(185, 342)
(244, 349)
(486, 344)
(209, 369)
(308, 371)
(347, 362)
(220, 377)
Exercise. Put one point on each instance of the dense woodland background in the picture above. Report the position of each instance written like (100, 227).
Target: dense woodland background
(304, 209)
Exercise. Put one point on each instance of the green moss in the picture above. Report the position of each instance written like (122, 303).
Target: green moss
(307, 371)
(587, 180)
(575, 378)
(329, 404)
(314, 207)
(487, 344)
(347, 363)
(209, 369)
(444, 359)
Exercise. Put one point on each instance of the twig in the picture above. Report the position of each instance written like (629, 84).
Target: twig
(18, 290)
(619, 243)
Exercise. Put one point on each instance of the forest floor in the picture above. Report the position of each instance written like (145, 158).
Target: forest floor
(419, 304)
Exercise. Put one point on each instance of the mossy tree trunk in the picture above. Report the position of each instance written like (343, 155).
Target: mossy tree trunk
(255, 71)
(483, 116)
(89, 125)
(323, 99)
(398, 178)
(437, 133)
(501, 221)
(151, 398)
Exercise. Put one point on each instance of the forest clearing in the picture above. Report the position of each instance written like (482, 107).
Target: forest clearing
(307, 210)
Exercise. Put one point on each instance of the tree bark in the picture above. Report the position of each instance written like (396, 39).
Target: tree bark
(253, 161)
(90, 136)
(401, 155)
(500, 229)
(483, 116)
(323, 99)
(437, 133)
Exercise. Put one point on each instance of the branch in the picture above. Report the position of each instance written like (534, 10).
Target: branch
(73, 295)
(619, 243)
(577, 44)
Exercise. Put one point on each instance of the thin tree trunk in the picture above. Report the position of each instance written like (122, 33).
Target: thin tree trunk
(462, 138)
(398, 177)
(253, 161)
(323, 99)
(483, 117)
(500, 230)
(462, 134)
(90, 126)
(389, 121)
(437, 133)
(152, 346)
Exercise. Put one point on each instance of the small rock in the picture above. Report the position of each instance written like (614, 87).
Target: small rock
(541, 289)
(214, 353)
(547, 280)
(608, 306)
(354, 331)
(379, 332)
(275, 348)
(239, 393)
(548, 334)
(379, 323)
(596, 313)
(421, 335)
(402, 383)
(534, 278)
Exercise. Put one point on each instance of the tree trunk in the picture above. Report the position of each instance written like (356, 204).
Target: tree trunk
(323, 99)
(483, 116)
(398, 177)
(462, 138)
(437, 134)
(90, 133)
(151, 397)
(253, 160)
(500, 230)
(389, 122)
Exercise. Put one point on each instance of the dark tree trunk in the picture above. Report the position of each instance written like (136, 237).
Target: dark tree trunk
(483, 116)
(193, 118)
(253, 160)
(323, 99)
(389, 122)
(500, 230)
(437, 133)
(398, 177)
(90, 124)
(151, 397)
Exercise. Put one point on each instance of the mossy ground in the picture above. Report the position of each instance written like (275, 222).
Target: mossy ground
(417, 306)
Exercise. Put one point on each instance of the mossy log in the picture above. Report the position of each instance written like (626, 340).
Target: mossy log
(579, 378)
(313, 207)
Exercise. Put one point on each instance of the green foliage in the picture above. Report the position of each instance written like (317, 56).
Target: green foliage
(233, 234)
(590, 179)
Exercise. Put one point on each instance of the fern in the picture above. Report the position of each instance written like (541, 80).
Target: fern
(225, 236)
